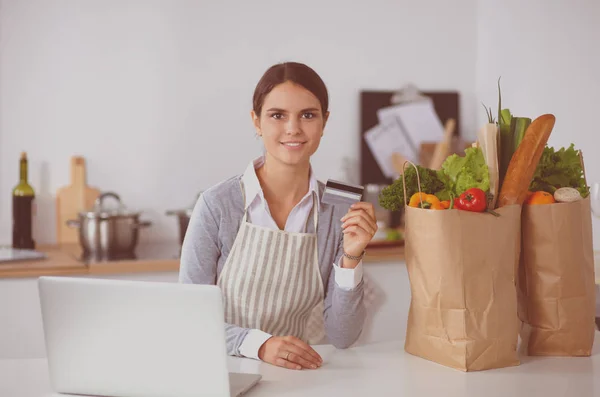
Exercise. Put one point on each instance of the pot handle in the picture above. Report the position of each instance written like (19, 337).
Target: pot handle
(100, 200)
(141, 224)
(73, 223)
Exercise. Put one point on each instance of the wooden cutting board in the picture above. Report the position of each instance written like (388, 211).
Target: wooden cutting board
(72, 199)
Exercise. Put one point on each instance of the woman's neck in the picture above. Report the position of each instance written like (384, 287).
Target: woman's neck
(282, 183)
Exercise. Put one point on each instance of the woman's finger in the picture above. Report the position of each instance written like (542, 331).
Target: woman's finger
(304, 346)
(303, 355)
(359, 212)
(368, 207)
(282, 362)
(367, 225)
(296, 355)
(359, 231)
(361, 215)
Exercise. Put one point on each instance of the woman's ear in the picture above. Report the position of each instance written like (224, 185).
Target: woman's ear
(325, 118)
(256, 122)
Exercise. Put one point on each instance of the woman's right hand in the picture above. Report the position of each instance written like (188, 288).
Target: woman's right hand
(289, 352)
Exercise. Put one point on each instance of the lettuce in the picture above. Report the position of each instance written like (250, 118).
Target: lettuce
(468, 171)
(558, 169)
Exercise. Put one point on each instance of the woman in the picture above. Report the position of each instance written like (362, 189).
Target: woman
(281, 257)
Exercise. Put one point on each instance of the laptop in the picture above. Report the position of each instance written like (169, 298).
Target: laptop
(133, 338)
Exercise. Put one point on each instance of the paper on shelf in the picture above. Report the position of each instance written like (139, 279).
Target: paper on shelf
(417, 120)
(383, 141)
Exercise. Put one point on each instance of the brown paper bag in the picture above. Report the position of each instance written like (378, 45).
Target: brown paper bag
(556, 279)
(461, 266)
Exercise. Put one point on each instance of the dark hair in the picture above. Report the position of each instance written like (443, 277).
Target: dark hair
(295, 72)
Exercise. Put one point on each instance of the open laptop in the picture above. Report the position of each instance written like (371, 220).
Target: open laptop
(132, 338)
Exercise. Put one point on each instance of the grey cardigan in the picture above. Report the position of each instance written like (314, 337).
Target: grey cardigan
(210, 235)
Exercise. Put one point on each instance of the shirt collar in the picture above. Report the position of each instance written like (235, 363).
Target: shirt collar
(252, 188)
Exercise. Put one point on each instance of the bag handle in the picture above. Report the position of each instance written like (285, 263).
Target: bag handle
(404, 182)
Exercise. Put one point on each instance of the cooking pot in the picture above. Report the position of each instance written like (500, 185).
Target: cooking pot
(183, 218)
(108, 233)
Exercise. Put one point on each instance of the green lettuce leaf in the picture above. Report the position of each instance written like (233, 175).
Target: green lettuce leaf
(558, 169)
(468, 171)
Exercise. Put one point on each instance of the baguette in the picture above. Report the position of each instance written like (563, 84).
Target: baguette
(524, 162)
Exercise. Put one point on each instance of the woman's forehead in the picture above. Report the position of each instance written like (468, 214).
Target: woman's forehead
(290, 96)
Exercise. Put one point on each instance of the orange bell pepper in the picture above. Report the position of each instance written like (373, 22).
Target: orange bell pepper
(428, 200)
(540, 197)
(439, 206)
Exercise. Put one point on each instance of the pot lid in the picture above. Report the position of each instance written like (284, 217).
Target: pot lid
(103, 211)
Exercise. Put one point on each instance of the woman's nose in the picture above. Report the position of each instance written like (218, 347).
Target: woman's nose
(292, 126)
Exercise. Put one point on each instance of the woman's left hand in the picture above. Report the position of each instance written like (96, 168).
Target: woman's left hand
(359, 226)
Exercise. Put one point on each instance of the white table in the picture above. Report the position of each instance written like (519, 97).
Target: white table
(380, 369)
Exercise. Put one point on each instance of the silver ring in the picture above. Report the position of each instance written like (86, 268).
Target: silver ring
(287, 356)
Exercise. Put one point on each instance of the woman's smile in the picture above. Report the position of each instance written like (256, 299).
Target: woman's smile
(293, 145)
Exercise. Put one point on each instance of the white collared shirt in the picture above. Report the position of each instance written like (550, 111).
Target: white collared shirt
(260, 215)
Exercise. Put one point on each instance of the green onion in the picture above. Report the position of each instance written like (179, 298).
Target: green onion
(506, 142)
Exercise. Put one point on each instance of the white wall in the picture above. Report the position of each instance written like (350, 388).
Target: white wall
(156, 94)
(548, 54)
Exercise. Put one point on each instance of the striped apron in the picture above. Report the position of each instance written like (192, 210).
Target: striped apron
(271, 281)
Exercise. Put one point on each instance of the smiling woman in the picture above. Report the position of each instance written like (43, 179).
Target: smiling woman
(289, 266)
(290, 110)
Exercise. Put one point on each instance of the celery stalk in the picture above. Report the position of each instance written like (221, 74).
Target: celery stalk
(521, 124)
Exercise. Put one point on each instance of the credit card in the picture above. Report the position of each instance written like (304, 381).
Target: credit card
(341, 193)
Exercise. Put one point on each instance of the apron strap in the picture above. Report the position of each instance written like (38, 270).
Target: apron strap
(244, 202)
(315, 210)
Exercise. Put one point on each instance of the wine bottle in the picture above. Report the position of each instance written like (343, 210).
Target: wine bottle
(23, 196)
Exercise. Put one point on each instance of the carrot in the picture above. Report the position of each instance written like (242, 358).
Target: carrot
(525, 160)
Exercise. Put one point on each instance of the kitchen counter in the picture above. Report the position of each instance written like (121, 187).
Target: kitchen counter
(378, 369)
(66, 260)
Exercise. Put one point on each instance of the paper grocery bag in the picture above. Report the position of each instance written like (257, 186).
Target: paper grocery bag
(556, 279)
(461, 266)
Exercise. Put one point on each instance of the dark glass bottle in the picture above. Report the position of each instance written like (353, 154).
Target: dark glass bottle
(23, 197)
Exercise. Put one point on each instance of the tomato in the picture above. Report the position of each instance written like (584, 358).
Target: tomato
(473, 199)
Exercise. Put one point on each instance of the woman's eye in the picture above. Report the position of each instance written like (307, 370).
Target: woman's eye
(277, 116)
(308, 115)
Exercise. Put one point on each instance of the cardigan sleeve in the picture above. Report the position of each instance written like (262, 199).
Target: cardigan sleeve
(344, 311)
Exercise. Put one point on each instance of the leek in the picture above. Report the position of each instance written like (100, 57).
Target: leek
(521, 124)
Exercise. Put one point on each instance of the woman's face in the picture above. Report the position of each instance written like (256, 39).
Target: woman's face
(291, 123)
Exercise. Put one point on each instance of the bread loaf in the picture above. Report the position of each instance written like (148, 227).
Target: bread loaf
(524, 161)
